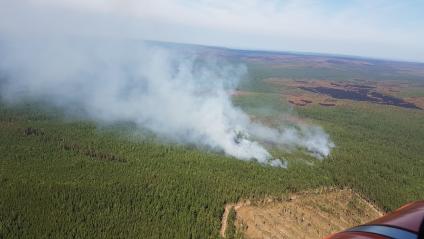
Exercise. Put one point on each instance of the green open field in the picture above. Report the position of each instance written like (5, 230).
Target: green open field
(73, 178)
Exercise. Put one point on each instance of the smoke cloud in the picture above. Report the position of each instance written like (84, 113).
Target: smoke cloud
(178, 95)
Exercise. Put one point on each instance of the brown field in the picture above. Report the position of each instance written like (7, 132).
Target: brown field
(418, 101)
(308, 215)
(305, 99)
(328, 93)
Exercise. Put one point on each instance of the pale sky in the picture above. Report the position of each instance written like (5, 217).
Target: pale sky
(390, 29)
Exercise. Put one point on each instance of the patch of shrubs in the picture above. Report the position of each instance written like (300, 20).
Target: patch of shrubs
(33, 131)
(92, 153)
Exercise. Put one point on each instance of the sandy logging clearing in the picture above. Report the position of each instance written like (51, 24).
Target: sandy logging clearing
(312, 214)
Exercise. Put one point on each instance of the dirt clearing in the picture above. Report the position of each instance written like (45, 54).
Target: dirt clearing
(312, 214)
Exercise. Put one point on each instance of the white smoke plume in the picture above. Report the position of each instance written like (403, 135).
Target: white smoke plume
(175, 94)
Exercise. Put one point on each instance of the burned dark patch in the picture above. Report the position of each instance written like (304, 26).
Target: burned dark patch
(361, 93)
(390, 100)
(327, 104)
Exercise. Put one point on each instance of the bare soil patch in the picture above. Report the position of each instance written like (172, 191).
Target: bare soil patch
(309, 215)
(308, 99)
(418, 101)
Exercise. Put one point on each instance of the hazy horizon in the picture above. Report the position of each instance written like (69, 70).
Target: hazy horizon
(287, 51)
(379, 29)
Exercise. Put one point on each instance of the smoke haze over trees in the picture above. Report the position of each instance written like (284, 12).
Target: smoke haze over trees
(179, 96)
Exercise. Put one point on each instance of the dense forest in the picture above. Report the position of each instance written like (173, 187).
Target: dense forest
(71, 178)
(62, 176)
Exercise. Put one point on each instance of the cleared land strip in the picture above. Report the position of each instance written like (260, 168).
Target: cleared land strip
(308, 215)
